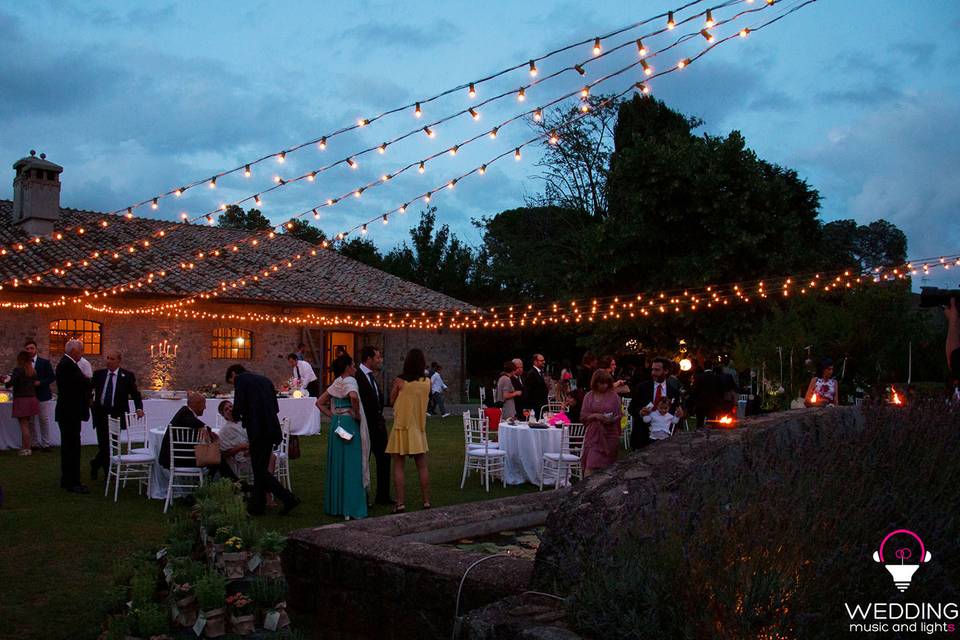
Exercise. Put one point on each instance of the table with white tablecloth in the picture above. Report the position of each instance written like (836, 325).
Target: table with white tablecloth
(525, 448)
(302, 412)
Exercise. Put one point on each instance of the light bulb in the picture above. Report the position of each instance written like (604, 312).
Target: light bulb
(744, 32)
(257, 199)
(312, 176)
(153, 205)
(579, 69)
(429, 132)
(323, 143)
(647, 69)
(403, 208)
(352, 163)
(363, 229)
(213, 183)
(709, 21)
(473, 113)
(516, 153)
(362, 122)
(282, 156)
(453, 149)
(641, 50)
(382, 148)
(178, 192)
(538, 115)
(356, 194)
(670, 23)
(422, 167)
(416, 111)
(493, 133)
(316, 214)
(246, 171)
(585, 91)
(452, 184)
(521, 94)
(707, 35)
(472, 92)
(533, 68)
(683, 63)
(385, 220)
(553, 137)
(426, 198)
(483, 169)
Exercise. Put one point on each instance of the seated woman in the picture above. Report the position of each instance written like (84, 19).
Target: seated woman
(823, 388)
(234, 446)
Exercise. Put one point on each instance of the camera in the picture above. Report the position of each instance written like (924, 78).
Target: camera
(937, 297)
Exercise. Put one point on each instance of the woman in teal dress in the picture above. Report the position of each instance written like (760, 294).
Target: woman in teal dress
(348, 476)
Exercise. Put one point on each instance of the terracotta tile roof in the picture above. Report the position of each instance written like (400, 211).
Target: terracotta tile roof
(325, 280)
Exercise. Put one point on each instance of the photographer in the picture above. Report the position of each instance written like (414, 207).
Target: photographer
(953, 336)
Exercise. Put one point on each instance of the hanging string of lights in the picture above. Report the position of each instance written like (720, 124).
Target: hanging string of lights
(135, 246)
(230, 248)
(635, 306)
(322, 141)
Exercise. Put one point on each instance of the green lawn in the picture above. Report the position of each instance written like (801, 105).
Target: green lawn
(57, 549)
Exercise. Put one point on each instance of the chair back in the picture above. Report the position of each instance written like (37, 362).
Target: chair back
(475, 431)
(552, 407)
(575, 433)
(182, 443)
(115, 433)
(625, 405)
(137, 429)
(284, 446)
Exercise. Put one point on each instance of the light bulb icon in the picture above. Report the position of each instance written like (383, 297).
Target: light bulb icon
(901, 572)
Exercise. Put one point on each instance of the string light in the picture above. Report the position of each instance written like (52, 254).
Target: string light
(707, 35)
(323, 143)
(427, 196)
(422, 167)
(585, 91)
(516, 153)
(670, 22)
(382, 148)
(538, 115)
(641, 50)
(553, 137)
(213, 183)
(362, 122)
(353, 162)
(429, 132)
(521, 94)
(417, 112)
(472, 92)
(744, 32)
(647, 69)
(246, 174)
(385, 219)
(454, 149)
(483, 169)
(153, 205)
(473, 113)
(282, 156)
(596, 46)
(493, 133)
(257, 200)
(579, 70)
(708, 23)
(683, 63)
(533, 69)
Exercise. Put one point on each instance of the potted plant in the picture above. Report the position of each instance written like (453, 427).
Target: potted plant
(211, 597)
(271, 546)
(234, 558)
(215, 552)
(242, 618)
(185, 606)
(270, 596)
(151, 621)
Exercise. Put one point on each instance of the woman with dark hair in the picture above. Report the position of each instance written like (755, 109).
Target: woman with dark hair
(24, 382)
(600, 415)
(409, 396)
(348, 476)
(823, 388)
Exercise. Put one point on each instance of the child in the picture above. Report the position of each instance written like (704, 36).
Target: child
(661, 421)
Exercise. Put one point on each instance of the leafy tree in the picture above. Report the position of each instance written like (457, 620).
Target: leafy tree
(879, 243)
(362, 250)
(304, 231)
(235, 217)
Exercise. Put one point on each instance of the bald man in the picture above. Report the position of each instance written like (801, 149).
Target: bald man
(113, 389)
(187, 416)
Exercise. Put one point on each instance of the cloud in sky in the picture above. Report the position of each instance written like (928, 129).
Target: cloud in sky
(136, 99)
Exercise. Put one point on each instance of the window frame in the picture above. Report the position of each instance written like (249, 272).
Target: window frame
(86, 328)
(224, 343)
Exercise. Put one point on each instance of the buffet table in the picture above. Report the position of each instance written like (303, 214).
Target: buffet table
(525, 448)
(303, 413)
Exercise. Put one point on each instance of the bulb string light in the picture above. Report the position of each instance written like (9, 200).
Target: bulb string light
(580, 311)
(136, 246)
(323, 140)
(426, 197)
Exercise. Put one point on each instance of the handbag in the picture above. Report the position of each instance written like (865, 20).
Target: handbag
(206, 451)
(293, 448)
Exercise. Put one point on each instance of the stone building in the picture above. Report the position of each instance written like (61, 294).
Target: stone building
(174, 322)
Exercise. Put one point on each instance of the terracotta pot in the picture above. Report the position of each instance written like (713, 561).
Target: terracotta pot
(216, 623)
(242, 625)
(270, 566)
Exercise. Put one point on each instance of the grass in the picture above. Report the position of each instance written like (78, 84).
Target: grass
(58, 548)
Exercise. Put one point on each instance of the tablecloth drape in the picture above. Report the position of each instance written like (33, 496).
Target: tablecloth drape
(525, 448)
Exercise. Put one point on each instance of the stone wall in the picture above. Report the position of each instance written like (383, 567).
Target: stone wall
(194, 366)
(385, 578)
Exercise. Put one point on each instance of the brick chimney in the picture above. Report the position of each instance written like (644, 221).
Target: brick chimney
(36, 194)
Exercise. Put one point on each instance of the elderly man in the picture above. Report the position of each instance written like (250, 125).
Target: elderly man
(187, 416)
(73, 407)
(255, 407)
(535, 386)
(113, 388)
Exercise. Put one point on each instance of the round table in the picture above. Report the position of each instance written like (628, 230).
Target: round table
(525, 448)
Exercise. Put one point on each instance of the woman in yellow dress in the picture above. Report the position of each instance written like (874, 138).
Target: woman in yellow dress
(409, 396)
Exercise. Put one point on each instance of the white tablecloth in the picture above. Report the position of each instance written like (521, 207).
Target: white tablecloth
(303, 413)
(525, 448)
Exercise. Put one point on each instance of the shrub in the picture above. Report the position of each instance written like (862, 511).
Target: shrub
(211, 591)
(143, 586)
(251, 533)
(151, 620)
(266, 593)
(272, 542)
(186, 570)
(775, 549)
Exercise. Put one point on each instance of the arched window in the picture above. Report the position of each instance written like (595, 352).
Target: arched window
(86, 331)
(231, 344)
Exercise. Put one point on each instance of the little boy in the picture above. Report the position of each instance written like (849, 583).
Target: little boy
(661, 421)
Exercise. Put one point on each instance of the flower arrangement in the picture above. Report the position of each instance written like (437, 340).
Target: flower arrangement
(234, 544)
(240, 604)
(222, 534)
(242, 618)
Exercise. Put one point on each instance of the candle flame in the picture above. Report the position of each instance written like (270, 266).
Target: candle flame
(725, 420)
(813, 398)
(896, 398)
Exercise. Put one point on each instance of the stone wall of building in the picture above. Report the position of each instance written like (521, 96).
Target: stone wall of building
(194, 365)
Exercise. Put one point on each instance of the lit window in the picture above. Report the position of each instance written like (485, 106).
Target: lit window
(86, 331)
(231, 344)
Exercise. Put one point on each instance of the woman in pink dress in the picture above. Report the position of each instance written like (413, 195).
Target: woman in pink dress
(600, 414)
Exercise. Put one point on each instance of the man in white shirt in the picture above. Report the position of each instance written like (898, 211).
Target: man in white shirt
(302, 373)
(437, 387)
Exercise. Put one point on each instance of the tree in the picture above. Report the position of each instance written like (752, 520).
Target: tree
(362, 250)
(878, 244)
(304, 231)
(236, 218)
(575, 168)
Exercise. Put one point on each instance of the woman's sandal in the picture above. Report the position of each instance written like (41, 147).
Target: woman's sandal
(399, 508)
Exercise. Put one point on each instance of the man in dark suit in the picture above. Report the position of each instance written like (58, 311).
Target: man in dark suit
(113, 388)
(645, 395)
(535, 386)
(187, 416)
(710, 387)
(371, 396)
(41, 428)
(73, 407)
(255, 407)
